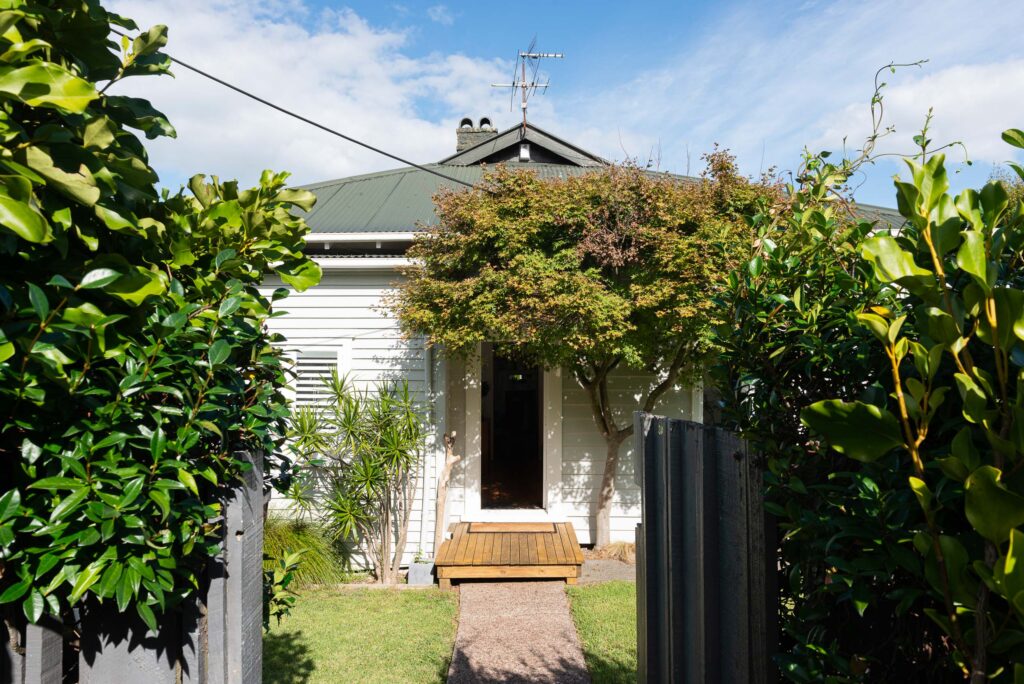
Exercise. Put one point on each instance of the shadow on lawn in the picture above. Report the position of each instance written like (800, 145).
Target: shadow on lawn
(286, 658)
(563, 671)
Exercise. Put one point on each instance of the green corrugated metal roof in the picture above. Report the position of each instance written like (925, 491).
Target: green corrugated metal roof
(399, 200)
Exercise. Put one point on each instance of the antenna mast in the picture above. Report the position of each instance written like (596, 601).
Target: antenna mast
(520, 81)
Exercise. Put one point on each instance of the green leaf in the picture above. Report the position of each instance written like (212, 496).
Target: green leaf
(9, 504)
(47, 85)
(923, 494)
(6, 351)
(33, 606)
(39, 302)
(224, 255)
(15, 591)
(146, 613)
(991, 508)
(52, 483)
(1013, 564)
(162, 500)
(131, 491)
(123, 593)
(891, 262)
(862, 431)
(303, 199)
(68, 504)
(79, 186)
(219, 352)
(86, 579)
(23, 220)
(186, 479)
(1014, 136)
(229, 306)
(99, 277)
(301, 274)
(972, 258)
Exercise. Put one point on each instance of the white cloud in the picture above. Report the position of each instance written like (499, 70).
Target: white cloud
(973, 103)
(440, 14)
(764, 82)
(332, 67)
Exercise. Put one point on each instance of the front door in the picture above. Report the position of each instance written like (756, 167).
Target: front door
(512, 463)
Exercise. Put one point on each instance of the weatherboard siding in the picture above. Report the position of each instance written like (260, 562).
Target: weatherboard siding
(584, 452)
(343, 317)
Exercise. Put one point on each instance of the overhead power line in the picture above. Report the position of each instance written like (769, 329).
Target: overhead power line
(294, 115)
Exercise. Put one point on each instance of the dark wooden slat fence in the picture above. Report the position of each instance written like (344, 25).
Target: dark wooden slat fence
(216, 638)
(706, 599)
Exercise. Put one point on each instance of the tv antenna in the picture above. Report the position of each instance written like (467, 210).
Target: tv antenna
(527, 86)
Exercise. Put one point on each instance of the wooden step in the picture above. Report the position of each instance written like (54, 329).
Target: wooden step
(509, 550)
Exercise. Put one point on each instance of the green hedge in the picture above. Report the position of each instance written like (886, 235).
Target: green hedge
(134, 356)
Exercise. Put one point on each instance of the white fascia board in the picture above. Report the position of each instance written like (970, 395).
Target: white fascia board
(360, 237)
(362, 263)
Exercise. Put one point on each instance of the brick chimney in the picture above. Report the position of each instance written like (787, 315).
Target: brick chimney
(468, 135)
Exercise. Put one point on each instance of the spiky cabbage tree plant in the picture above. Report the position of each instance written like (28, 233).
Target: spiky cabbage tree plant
(362, 449)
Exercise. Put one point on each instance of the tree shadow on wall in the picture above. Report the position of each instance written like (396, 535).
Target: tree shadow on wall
(286, 658)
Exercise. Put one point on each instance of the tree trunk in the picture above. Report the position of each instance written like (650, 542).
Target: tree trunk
(450, 460)
(409, 499)
(607, 491)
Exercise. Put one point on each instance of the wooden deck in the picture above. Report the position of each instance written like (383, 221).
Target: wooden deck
(509, 551)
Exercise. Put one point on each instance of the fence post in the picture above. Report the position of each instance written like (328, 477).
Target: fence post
(705, 580)
(44, 652)
(234, 610)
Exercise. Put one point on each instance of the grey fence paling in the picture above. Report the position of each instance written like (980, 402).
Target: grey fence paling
(706, 599)
(215, 638)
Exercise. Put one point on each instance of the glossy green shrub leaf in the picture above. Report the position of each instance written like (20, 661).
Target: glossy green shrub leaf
(861, 431)
(890, 261)
(972, 258)
(1014, 136)
(47, 85)
(991, 508)
(23, 220)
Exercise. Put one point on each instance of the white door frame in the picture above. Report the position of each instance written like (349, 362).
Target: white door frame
(551, 396)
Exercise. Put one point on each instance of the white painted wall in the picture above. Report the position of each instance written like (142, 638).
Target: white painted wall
(584, 451)
(580, 459)
(343, 314)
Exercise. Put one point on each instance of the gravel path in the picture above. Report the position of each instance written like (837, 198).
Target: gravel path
(516, 632)
(600, 570)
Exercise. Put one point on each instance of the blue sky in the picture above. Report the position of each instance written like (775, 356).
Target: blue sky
(642, 79)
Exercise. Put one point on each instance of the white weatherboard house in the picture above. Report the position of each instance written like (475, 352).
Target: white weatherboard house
(531, 451)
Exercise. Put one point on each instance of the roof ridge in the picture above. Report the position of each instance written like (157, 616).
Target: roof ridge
(530, 127)
(362, 176)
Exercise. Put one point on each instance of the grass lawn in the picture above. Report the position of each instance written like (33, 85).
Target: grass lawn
(362, 635)
(605, 617)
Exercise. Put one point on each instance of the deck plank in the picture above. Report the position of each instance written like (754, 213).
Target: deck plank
(460, 550)
(506, 548)
(532, 542)
(488, 553)
(577, 552)
(478, 527)
(474, 541)
(568, 554)
(549, 547)
(442, 552)
(543, 557)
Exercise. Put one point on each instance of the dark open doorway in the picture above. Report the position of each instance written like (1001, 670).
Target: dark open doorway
(512, 467)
